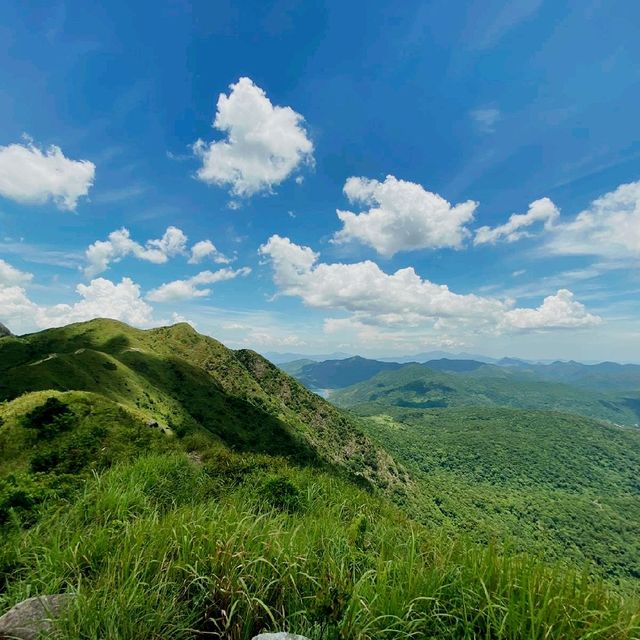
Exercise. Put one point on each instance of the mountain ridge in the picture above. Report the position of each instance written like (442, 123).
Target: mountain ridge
(192, 382)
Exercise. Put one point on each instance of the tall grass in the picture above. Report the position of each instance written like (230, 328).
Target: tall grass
(162, 548)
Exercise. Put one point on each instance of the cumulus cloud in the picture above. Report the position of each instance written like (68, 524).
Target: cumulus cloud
(609, 227)
(16, 310)
(205, 249)
(402, 216)
(100, 298)
(119, 245)
(10, 276)
(192, 287)
(542, 210)
(32, 176)
(408, 339)
(403, 298)
(264, 143)
(560, 311)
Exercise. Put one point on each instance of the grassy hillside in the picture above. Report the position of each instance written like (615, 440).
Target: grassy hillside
(165, 547)
(420, 387)
(192, 383)
(184, 490)
(556, 484)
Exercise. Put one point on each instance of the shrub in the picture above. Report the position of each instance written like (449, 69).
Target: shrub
(281, 494)
(19, 495)
(50, 418)
(45, 461)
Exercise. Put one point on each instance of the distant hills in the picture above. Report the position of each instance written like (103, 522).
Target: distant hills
(606, 391)
(336, 374)
(280, 358)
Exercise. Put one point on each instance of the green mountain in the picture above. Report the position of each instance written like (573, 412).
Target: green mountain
(191, 384)
(482, 385)
(605, 376)
(494, 456)
(335, 374)
(184, 490)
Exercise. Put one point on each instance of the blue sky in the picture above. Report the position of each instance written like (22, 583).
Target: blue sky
(382, 178)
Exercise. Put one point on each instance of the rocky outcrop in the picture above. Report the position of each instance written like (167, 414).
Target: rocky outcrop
(32, 617)
(4, 331)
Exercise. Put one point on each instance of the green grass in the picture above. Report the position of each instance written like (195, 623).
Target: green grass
(263, 507)
(191, 382)
(165, 548)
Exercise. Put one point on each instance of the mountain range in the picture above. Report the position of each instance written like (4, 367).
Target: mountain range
(184, 488)
(607, 391)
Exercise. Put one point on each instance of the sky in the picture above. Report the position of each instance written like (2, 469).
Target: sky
(378, 178)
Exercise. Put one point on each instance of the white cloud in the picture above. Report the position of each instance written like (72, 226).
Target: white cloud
(264, 143)
(357, 334)
(120, 245)
(10, 276)
(16, 310)
(609, 227)
(172, 243)
(542, 210)
(191, 287)
(177, 318)
(560, 311)
(234, 326)
(486, 119)
(32, 176)
(99, 299)
(204, 249)
(403, 216)
(268, 340)
(403, 299)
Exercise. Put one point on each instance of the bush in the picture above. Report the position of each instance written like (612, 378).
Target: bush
(45, 461)
(74, 456)
(50, 419)
(281, 494)
(19, 495)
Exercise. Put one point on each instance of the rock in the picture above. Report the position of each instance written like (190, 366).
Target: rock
(4, 331)
(31, 617)
(154, 424)
(280, 635)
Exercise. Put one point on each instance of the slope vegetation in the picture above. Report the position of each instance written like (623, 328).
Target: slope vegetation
(563, 486)
(193, 384)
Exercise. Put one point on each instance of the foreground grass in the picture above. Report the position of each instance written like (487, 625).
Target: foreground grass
(165, 548)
